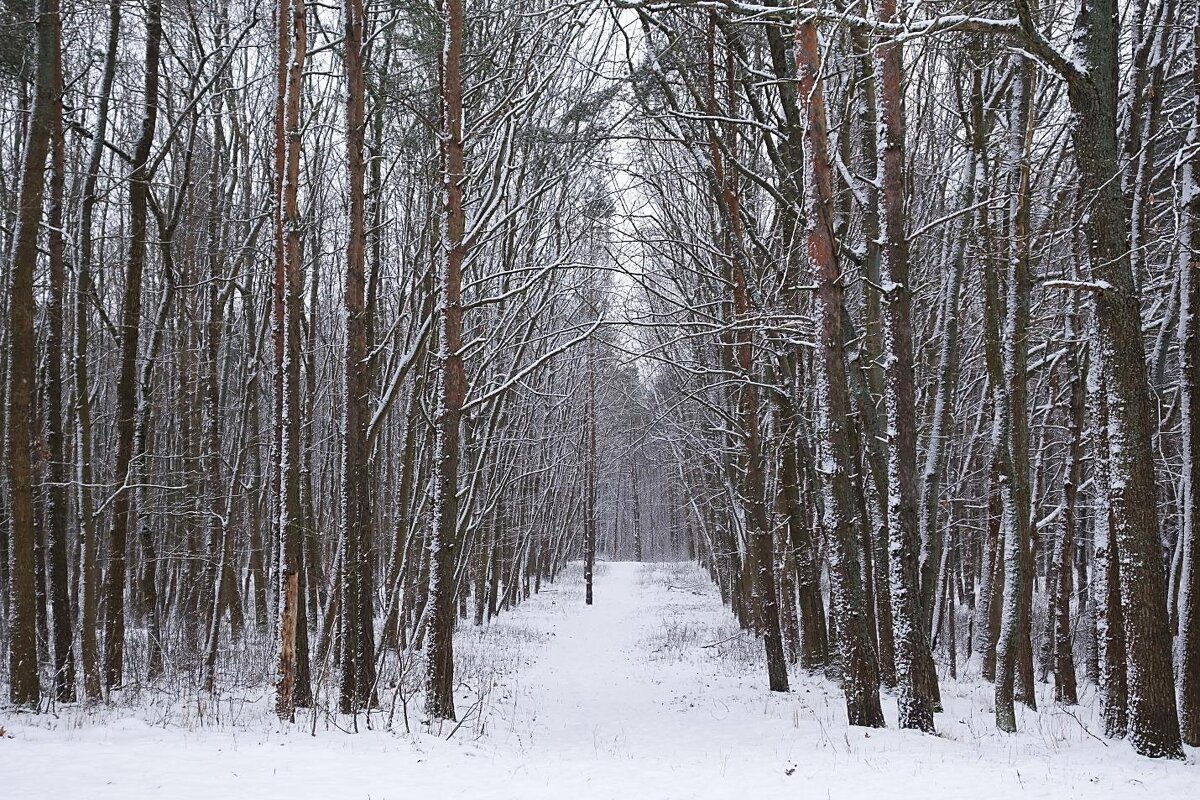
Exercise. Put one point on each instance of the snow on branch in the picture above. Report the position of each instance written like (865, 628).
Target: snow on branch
(1078, 286)
(1020, 27)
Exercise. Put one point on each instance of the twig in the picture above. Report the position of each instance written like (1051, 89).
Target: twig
(1081, 725)
(723, 641)
(474, 706)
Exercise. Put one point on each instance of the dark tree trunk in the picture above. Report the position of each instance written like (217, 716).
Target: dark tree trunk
(358, 591)
(131, 309)
(90, 569)
(1065, 690)
(1014, 670)
(1153, 717)
(589, 518)
(444, 538)
(1189, 346)
(24, 689)
(56, 440)
(802, 551)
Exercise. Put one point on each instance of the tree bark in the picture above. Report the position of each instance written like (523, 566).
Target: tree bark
(591, 467)
(1013, 648)
(1189, 347)
(294, 661)
(444, 538)
(860, 672)
(24, 689)
(90, 568)
(912, 646)
(1153, 716)
(56, 440)
(131, 308)
(358, 592)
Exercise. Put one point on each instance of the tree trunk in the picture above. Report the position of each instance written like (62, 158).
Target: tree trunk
(1013, 649)
(591, 467)
(1153, 717)
(131, 308)
(60, 590)
(24, 687)
(444, 538)
(1189, 347)
(294, 660)
(1065, 690)
(860, 673)
(90, 568)
(358, 592)
(912, 647)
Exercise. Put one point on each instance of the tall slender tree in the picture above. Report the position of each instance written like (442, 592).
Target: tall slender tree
(444, 538)
(131, 309)
(24, 688)
(358, 592)
(900, 395)
(56, 439)
(294, 687)
(860, 673)
(1189, 347)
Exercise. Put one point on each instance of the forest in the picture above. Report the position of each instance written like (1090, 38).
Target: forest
(363, 357)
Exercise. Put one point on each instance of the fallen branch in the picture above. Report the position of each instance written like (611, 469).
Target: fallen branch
(723, 641)
(1081, 725)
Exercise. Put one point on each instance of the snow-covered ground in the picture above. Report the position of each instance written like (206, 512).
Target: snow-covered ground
(651, 693)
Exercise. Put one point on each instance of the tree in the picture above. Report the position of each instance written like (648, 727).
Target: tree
(904, 556)
(860, 676)
(589, 513)
(293, 688)
(24, 688)
(1153, 717)
(443, 539)
(1189, 347)
(131, 308)
(90, 570)
(1011, 321)
(358, 591)
(56, 439)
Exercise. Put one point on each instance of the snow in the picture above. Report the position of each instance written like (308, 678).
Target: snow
(653, 692)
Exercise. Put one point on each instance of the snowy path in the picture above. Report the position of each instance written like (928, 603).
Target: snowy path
(619, 700)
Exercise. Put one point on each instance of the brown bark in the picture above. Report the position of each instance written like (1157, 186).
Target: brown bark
(860, 675)
(358, 592)
(444, 538)
(285, 693)
(761, 548)
(56, 440)
(139, 190)
(294, 677)
(24, 687)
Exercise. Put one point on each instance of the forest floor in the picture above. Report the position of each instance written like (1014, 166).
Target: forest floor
(652, 693)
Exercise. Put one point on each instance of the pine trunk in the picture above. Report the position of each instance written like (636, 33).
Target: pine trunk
(443, 540)
(860, 672)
